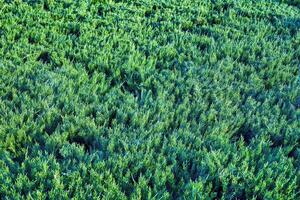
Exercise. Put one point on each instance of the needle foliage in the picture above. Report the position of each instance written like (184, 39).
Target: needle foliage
(149, 99)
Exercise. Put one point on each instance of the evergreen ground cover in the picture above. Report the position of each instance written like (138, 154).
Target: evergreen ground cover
(149, 99)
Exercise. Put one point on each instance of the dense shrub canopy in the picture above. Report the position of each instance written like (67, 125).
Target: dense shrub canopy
(149, 99)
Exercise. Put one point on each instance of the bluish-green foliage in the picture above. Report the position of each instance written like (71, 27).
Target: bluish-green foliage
(149, 99)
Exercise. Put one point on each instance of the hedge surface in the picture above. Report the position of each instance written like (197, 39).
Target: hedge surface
(149, 99)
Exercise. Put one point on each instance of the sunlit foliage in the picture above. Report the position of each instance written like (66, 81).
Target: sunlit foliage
(149, 99)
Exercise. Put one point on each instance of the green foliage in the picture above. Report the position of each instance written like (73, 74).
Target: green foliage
(149, 99)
